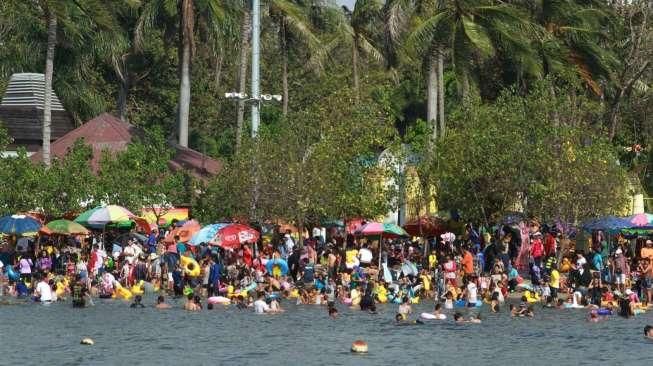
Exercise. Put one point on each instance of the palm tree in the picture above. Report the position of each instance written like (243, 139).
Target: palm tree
(53, 11)
(186, 12)
(572, 36)
(357, 31)
(245, 33)
(293, 23)
(469, 30)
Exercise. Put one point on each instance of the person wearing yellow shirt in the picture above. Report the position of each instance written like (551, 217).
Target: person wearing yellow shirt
(433, 260)
(554, 283)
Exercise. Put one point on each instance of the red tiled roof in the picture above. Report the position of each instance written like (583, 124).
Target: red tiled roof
(107, 133)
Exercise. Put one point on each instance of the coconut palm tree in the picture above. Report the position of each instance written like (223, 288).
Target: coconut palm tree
(186, 13)
(293, 24)
(64, 12)
(357, 30)
(245, 35)
(571, 38)
(470, 30)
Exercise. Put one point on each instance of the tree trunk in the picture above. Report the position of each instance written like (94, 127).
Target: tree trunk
(187, 30)
(284, 76)
(47, 96)
(354, 63)
(244, 46)
(123, 95)
(441, 92)
(219, 60)
(432, 97)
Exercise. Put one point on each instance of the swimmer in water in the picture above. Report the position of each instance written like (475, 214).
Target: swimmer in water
(400, 320)
(137, 302)
(648, 331)
(161, 303)
(438, 313)
(333, 312)
(458, 318)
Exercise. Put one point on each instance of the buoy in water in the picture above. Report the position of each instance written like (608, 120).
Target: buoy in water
(87, 341)
(359, 346)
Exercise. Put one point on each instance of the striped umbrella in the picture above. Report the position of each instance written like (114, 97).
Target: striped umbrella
(377, 228)
(101, 216)
(18, 225)
(64, 227)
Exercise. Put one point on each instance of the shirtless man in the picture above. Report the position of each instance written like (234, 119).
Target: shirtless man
(161, 303)
(190, 304)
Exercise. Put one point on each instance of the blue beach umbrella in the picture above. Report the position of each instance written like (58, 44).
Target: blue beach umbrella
(206, 234)
(18, 225)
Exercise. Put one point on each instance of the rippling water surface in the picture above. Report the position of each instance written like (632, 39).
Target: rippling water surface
(32, 334)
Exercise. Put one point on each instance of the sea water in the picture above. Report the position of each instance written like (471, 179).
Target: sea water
(32, 334)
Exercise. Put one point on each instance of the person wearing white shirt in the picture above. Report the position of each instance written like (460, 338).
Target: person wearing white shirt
(44, 291)
(260, 306)
(365, 256)
(472, 293)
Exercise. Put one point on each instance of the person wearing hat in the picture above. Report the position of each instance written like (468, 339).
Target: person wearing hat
(647, 251)
(620, 270)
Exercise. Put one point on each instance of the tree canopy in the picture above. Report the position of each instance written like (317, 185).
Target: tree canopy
(543, 103)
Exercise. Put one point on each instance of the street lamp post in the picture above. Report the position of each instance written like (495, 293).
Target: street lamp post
(256, 98)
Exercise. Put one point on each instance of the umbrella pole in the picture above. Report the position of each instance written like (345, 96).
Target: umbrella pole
(380, 251)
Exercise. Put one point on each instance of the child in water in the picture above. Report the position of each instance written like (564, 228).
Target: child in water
(137, 302)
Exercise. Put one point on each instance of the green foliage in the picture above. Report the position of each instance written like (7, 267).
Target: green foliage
(535, 152)
(314, 162)
(308, 171)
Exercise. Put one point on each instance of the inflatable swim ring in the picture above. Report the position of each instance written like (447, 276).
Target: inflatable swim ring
(122, 292)
(277, 267)
(190, 266)
(431, 316)
(60, 289)
(459, 304)
(137, 289)
(382, 294)
(604, 311)
(218, 300)
(12, 274)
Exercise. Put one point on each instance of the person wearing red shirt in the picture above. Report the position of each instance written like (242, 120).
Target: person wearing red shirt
(537, 249)
(247, 255)
(549, 244)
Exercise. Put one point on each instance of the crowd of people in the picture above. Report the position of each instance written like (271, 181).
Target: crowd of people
(528, 263)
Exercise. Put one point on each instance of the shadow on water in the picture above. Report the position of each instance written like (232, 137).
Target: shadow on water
(305, 335)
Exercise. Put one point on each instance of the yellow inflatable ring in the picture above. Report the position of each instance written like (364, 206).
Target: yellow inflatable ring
(190, 266)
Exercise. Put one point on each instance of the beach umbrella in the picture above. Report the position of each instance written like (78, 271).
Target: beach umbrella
(18, 224)
(426, 226)
(143, 225)
(607, 223)
(232, 236)
(63, 227)
(641, 219)
(206, 234)
(184, 232)
(101, 216)
(377, 228)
